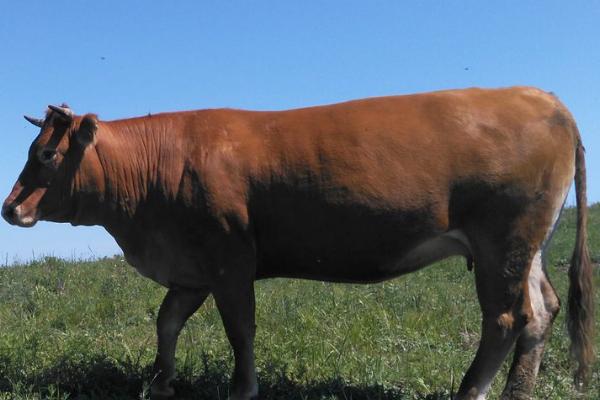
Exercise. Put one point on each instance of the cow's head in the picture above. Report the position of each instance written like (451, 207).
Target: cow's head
(56, 170)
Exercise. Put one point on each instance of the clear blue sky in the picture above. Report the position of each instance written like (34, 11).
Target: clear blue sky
(126, 58)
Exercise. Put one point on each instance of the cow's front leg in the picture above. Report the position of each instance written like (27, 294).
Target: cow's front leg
(235, 301)
(179, 304)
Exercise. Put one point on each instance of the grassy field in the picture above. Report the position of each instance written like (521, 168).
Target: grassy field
(85, 330)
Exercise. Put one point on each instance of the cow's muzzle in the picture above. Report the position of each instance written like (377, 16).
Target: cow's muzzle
(14, 215)
(21, 207)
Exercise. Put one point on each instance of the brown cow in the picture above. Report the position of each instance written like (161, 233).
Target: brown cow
(209, 201)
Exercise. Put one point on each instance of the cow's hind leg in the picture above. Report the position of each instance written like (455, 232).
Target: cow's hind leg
(541, 298)
(545, 305)
(178, 305)
(530, 345)
(501, 268)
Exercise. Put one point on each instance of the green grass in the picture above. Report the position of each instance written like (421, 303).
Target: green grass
(85, 330)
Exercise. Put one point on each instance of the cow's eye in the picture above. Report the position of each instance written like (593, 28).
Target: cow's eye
(47, 156)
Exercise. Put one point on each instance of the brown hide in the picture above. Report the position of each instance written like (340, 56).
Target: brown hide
(337, 192)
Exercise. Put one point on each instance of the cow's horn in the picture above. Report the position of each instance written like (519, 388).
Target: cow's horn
(64, 111)
(36, 121)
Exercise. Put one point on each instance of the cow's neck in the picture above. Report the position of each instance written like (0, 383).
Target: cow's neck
(136, 165)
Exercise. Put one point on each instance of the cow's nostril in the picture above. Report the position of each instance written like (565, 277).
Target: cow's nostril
(8, 212)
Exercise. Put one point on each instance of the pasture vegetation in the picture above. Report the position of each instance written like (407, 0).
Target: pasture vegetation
(86, 330)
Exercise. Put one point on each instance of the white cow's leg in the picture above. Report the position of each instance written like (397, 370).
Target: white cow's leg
(178, 305)
(235, 301)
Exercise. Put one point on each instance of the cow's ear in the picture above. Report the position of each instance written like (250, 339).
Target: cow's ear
(86, 134)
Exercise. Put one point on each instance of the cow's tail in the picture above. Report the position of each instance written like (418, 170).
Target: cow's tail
(580, 313)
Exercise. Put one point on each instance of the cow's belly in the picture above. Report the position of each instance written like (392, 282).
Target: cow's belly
(342, 245)
(363, 266)
(309, 236)
(166, 262)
